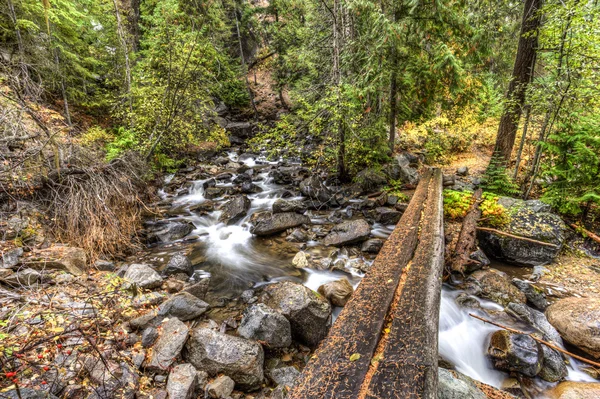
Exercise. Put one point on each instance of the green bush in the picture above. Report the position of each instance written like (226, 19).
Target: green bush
(457, 204)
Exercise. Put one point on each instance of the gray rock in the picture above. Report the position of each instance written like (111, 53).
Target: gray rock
(337, 292)
(297, 235)
(170, 231)
(535, 319)
(261, 323)
(553, 365)
(199, 289)
(182, 381)
(23, 277)
(11, 257)
(58, 257)
(149, 335)
(143, 276)
(221, 387)
(372, 246)
(309, 313)
(27, 393)
(480, 257)
(404, 171)
(452, 385)
(281, 205)
(314, 188)
(218, 353)
(104, 265)
(535, 295)
(349, 232)
(385, 216)
(250, 188)
(462, 171)
(234, 210)
(370, 180)
(285, 376)
(268, 224)
(167, 348)
(184, 306)
(516, 353)
(179, 263)
(494, 285)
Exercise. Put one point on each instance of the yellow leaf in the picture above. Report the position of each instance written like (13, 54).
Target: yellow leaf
(354, 357)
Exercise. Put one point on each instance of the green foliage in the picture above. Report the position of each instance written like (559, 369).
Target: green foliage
(96, 135)
(394, 187)
(124, 140)
(457, 204)
(497, 180)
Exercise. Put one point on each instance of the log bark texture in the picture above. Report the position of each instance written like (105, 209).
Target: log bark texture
(467, 239)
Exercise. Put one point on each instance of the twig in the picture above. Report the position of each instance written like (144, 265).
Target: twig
(541, 341)
(547, 244)
(586, 232)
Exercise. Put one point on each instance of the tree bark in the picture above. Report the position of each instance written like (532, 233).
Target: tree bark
(522, 71)
(466, 243)
(123, 40)
(522, 143)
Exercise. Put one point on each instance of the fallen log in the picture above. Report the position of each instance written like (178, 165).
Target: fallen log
(504, 233)
(586, 232)
(467, 239)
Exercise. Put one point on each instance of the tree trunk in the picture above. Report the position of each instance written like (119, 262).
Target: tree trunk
(336, 77)
(522, 143)
(522, 71)
(123, 40)
(134, 23)
(466, 243)
(243, 62)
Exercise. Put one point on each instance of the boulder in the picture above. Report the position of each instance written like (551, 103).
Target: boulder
(577, 321)
(404, 170)
(143, 276)
(281, 205)
(218, 353)
(349, 232)
(516, 353)
(184, 306)
(268, 224)
(69, 259)
(182, 382)
(221, 387)
(553, 365)
(167, 348)
(179, 263)
(575, 390)
(526, 220)
(309, 313)
(285, 376)
(535, 295)
(314, 188)
(234, 210)
(535, 319)
(337, 292)
(494, 285)
(452, 385)
(372, 246)
(370, 180)
(169, 231)
(261, 323)
(250, 188)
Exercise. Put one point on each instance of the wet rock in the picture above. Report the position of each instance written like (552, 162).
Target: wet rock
(370, 180)
(527, 220)
(169, 231)
(493, 285)
(214, 192)
(282, 205)
(535, 319)
(182, 381)
(576, 319)
(149, 336)
(297, 235)
(337, 292)
(535, 296)
(11, 257)
(268, 224)
(242, 178)
(234, 209)
(462, 171)
(179, 263)
(575, 390)
(309, 313)
(224, 176)
(143, 276)
(184, 306)
(250, 188)
(385, 216)
(69, 259)
(349, 232)
(481, 258)
(221, 387)
(403, 169)
(209, 183)
(300, 260)
(553, 365)
(203, 207)
(314, 188)
(285, 376)
(516, 352)
(281, 177)
(372, 246)
(465, 300)
(261, 323)
(167, 348)
(199, 289)
(218, 353)
(452, 385)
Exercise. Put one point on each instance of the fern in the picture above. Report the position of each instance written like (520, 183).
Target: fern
(497, 179)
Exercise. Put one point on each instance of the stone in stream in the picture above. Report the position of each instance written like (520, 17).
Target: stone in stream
(179, 263)
(169, 231)
(494, 285)
(529, 219)
(535, 319)
(234, 209)
(218, 353)
(574, 390)
(553, 365)
(214, 192)
(261, 323)
(314, 188)
(309, 313)
(349, 232)
(372, 246)
(385, 216)
(143, 276)
(300, 260)
(516, 353)
(577, 321)
(250, 188)
(535, 295)
(268, 224)
(199, 289)
(281, 205)
(172, 337)
(453, 385)
(337, 292)
(479, 256)
(182, 381)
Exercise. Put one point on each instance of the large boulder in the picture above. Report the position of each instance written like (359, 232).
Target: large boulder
(309, 313)
(218, 353)
(575, 390)
(281, 205)
(349, 232)
(314, 188)
(167, 348)
(495, 286)
(337, 292)
(530, 220)
(179, 263)
(516, 353)
(70, 259)
(143, 276)
(578, 322)
(267, 224)
(234, 209)
(261, 323)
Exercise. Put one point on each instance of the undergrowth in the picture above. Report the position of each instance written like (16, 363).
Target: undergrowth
(457, 204)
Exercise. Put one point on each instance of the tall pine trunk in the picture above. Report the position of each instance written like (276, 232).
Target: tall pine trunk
(336, 75)
(522, 71)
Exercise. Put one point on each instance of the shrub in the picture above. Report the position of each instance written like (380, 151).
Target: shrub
(457, 204)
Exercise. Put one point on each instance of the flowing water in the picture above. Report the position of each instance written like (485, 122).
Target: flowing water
(236, 260)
